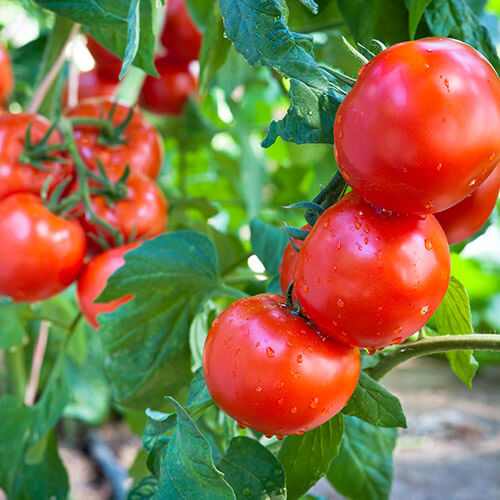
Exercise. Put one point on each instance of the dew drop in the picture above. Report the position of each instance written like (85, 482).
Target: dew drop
(378, 334)
(295, 374)
(424, 310)
(340, 303)
(483, 172)
(439, 167)
(473, 182)
(341, 134)
(280, 385)
(280, 401)
(397, 330)
(270, 351)
(371, 351)
(257, 344)
(241, 425)
(306, 288)
(379, 255)
(339, 245)
(367, 229)
(268, 436)
(314, 403)
(288, 343)
(324, 411)
(300, 358)
(397, 340)
(310, 349)
(299, 433)
(426, 66)
(429, 204)
(334, 323)
(258, 389)
(447, 84)
(280, 437)
(357, 224)
(293, 410)
(366, 241)
(428, 245)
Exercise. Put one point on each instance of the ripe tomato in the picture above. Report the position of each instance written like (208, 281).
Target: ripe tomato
(6, 76)
(142, 214)
(371, 279)
(15, 176)
(41, 254)
(91, 84)
(271, 370)
(420, 130)
(467, 217)
(169, 93)
(107, 64)
(289, 263)
(143, 149)
(180, 36)
(94, 279)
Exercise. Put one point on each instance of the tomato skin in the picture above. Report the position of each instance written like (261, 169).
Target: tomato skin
(169, 93)
(269, 369)
(91, 84)
(181, 37)
(289, 263)
(107, 64)
(93, 281)
(6, 76)
(420, 130)
(143, 151)
(371, 279)
(17, 177)
(142, 214)
(466, 218)
(42, 254)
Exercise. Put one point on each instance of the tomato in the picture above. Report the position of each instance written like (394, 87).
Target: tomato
(94, 279)
(6, 76)
(143, 149)
(107, 64)
(16, 176)
(180, 36)
(142, 214)
(466, 218)
(420, 130)
(169, 93)
(271, 370)
(91, 84)
(289, 263)
(371, 279)
(41, 253)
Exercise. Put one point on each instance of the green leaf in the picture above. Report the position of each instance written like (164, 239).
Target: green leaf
(200, 11)
(306, 458)
(188, 469)
(170, 276)
(13, 322)
(456, 19)
(375, 405)
(252, 471)
(417, 8)
(197, 335)
(146, 489)
(311, 5)
(268, 243)
(214, 49)
(132, 36)
(385, 20)
(363, 468)
(453, 317)
(258, 31)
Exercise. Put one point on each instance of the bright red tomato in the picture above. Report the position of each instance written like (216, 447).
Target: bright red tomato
(41, 253)
(107, 64)
(6, 76)
(467, 217)
(270, 369)
(371, 279)
(142, 214)
(15, 176)
(143, 149)
(420, 130)
(181, 37)
(289, 263)
(169, 93)
(91, 84)
(94, 279)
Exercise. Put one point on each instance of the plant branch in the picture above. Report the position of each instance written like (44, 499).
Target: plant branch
(36, 365)
(434, 345)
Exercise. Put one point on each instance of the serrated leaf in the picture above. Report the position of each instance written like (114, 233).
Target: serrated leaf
(268, 243)
(169, 276)
(374, 404)
(145, 490)
(363, 469)
(453, 317)
(416, 8)
(133, 33)
(13, 322)
(307, 458)
(253, 472)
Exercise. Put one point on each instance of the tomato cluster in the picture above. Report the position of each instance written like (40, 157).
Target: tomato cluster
(419, 134)
(63, 206)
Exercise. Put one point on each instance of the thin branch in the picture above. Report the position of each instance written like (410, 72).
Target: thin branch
(36, 365)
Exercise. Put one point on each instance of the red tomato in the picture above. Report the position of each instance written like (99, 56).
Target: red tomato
(142, 214)
(420, 130)
(94, 279)
(107, 64)
(16, 177)
(289, 263)
(169, 93)
(91, 84)
(371, 279)
(467, 217)
(41, 254)
(143, 150)
(270, 369)
(6, 76)
(181, 37)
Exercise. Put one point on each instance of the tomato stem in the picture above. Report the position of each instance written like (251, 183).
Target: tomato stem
(36, 364)
(15, 376)
(434, 345)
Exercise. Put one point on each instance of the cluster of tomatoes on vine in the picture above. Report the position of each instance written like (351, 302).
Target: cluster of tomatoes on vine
(417, 138)
(181, 42)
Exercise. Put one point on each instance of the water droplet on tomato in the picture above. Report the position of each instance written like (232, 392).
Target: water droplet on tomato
(429, 204)
(424, 310)
(293, 410)
(280, 385)
(341, 134)
(397, 330)
(306, 288)
(340, 303)
(366, 241)
(379, 255)
(257, 344)
(473, 182)
(357, 224)
(270, 351)
(241, 426)
(295, 374)
(279, 438)
(371, 351)
(428, 245)
(280, 401)
(426, 66)
(439, 167)
(397, 340)
(339, 245)
(258, 389)
(288, 343)
(300, 358)
(314, 403)
(310, 349)
(299, 433)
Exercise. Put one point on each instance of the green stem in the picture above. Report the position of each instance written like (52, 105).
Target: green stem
(105, 126)
(434, 345)
(16, 372)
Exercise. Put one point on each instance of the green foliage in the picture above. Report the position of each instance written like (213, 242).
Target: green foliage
(416, 8)
(268, 243)
(13, 323)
